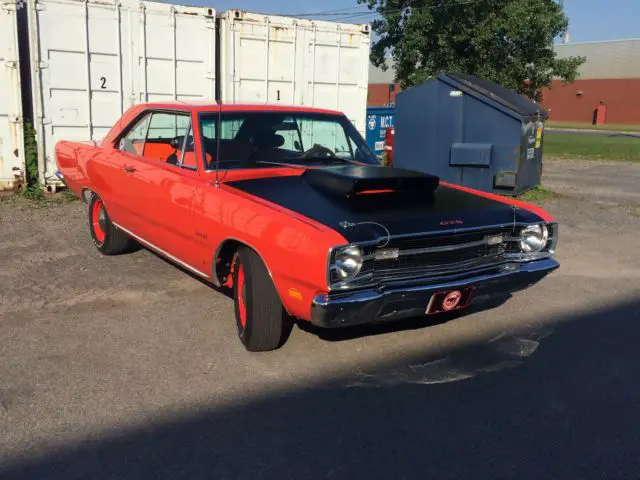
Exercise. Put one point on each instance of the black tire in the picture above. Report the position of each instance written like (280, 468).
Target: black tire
(108, 239)
(265, 324)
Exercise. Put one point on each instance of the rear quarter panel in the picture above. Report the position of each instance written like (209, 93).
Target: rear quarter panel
(71, 159)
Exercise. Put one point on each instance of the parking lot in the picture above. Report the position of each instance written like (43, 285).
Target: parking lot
(126, 367)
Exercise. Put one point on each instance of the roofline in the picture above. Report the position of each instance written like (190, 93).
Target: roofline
(597, 41)
(203, 106)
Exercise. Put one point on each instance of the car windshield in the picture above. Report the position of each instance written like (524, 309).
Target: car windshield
(265, 139)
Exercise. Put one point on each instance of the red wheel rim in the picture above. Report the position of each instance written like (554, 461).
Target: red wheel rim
(242, 291)
(98, 218)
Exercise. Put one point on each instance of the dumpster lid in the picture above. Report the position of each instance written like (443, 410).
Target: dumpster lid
(503, 96)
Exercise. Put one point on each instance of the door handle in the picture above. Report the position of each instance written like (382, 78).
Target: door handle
(129, 169)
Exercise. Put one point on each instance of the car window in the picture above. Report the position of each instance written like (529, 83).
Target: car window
(166, 125)
(261, 138)
(289, 130)
(133, 141)
(169, 139)
(327, 133)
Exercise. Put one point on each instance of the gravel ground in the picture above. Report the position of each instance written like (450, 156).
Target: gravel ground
(126, 367)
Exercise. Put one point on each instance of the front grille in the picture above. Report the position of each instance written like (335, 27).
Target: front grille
(438, 255)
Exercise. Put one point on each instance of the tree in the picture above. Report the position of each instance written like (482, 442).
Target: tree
(509, 42)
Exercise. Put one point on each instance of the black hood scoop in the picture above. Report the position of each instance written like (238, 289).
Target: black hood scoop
(349, 181)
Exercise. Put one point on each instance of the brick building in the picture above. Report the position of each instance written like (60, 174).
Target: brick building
(610, 76)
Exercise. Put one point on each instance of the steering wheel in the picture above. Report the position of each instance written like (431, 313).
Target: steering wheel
(318, 151)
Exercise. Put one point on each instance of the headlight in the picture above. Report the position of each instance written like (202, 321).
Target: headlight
(533, 238)
(348, 262)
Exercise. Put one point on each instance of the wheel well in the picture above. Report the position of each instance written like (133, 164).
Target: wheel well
(85, 195)
(223, 260)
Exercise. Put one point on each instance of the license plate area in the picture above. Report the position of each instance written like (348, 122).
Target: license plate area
(449, 300)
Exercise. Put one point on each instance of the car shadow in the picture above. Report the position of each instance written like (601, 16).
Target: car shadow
(559, 403)
(221, 289)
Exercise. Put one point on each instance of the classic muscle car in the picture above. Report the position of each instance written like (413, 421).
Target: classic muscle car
(289, 209)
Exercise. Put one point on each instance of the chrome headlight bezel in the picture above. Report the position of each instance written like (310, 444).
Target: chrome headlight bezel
(347, 262)
(533, 238)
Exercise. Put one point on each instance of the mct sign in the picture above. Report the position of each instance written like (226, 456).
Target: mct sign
(379, 119)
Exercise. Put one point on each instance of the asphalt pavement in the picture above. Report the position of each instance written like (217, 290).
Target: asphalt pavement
(126, 367)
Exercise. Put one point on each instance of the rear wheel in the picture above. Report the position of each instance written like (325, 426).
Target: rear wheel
(262, 321)
(108, 239)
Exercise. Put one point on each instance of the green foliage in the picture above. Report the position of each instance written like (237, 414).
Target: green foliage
(68, 196)
(509, 42)
(33, 192)
(31, 154)
(537, 194)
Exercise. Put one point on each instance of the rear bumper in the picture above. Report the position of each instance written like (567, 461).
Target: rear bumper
(370, 306)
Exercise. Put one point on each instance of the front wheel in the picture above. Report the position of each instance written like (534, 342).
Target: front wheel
(263, 323)
(108, 239)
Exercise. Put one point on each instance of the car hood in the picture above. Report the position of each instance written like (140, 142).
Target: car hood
(443, 208)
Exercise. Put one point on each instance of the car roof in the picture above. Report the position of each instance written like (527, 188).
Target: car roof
(206, 106)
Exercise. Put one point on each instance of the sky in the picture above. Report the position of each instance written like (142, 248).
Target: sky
(590, 20)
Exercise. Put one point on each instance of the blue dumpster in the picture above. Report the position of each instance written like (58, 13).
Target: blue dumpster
(471, 132)
(378, 120)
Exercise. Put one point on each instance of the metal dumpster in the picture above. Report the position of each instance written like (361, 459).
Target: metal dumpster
(471, 132)
(378, 120)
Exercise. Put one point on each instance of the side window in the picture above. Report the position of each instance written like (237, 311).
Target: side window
(166, 126)
(169, 139)
(133, 141)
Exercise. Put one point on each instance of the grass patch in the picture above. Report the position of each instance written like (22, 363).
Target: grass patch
(596, 147)
(68, 196)
(33, 192)
(538, 193)
(588, 126)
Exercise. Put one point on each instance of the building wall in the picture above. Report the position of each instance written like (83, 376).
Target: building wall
(621, 96)
(611, 75)
(379, 94)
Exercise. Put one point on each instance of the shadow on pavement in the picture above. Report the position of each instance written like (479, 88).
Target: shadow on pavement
(559, 403)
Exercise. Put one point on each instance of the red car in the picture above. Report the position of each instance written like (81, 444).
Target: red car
(289, 208)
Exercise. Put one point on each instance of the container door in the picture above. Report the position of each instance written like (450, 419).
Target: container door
(336, 69)
(260, 59)
(95, 59)
(11, 140)
(271, 59)
(175, 53)
(80, 57)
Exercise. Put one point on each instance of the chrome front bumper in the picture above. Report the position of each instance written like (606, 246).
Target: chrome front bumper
(386, 304)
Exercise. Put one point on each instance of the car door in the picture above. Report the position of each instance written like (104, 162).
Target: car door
(166, 179)
(125, 160)
(110, 172)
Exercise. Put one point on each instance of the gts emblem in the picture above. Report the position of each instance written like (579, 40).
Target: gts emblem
(201, 235)
(451, 222)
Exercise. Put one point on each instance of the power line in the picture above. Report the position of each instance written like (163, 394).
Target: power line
(328, 13)
(400, 10)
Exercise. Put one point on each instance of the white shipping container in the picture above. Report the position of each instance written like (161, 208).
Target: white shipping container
(94, 59)
(272, 59)
(11, 139)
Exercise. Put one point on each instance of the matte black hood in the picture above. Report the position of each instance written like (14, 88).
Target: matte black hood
(401, 212)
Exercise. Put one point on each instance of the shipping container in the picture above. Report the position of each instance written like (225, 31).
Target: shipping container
(94, 59)
(273, 59)
(11, 139)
